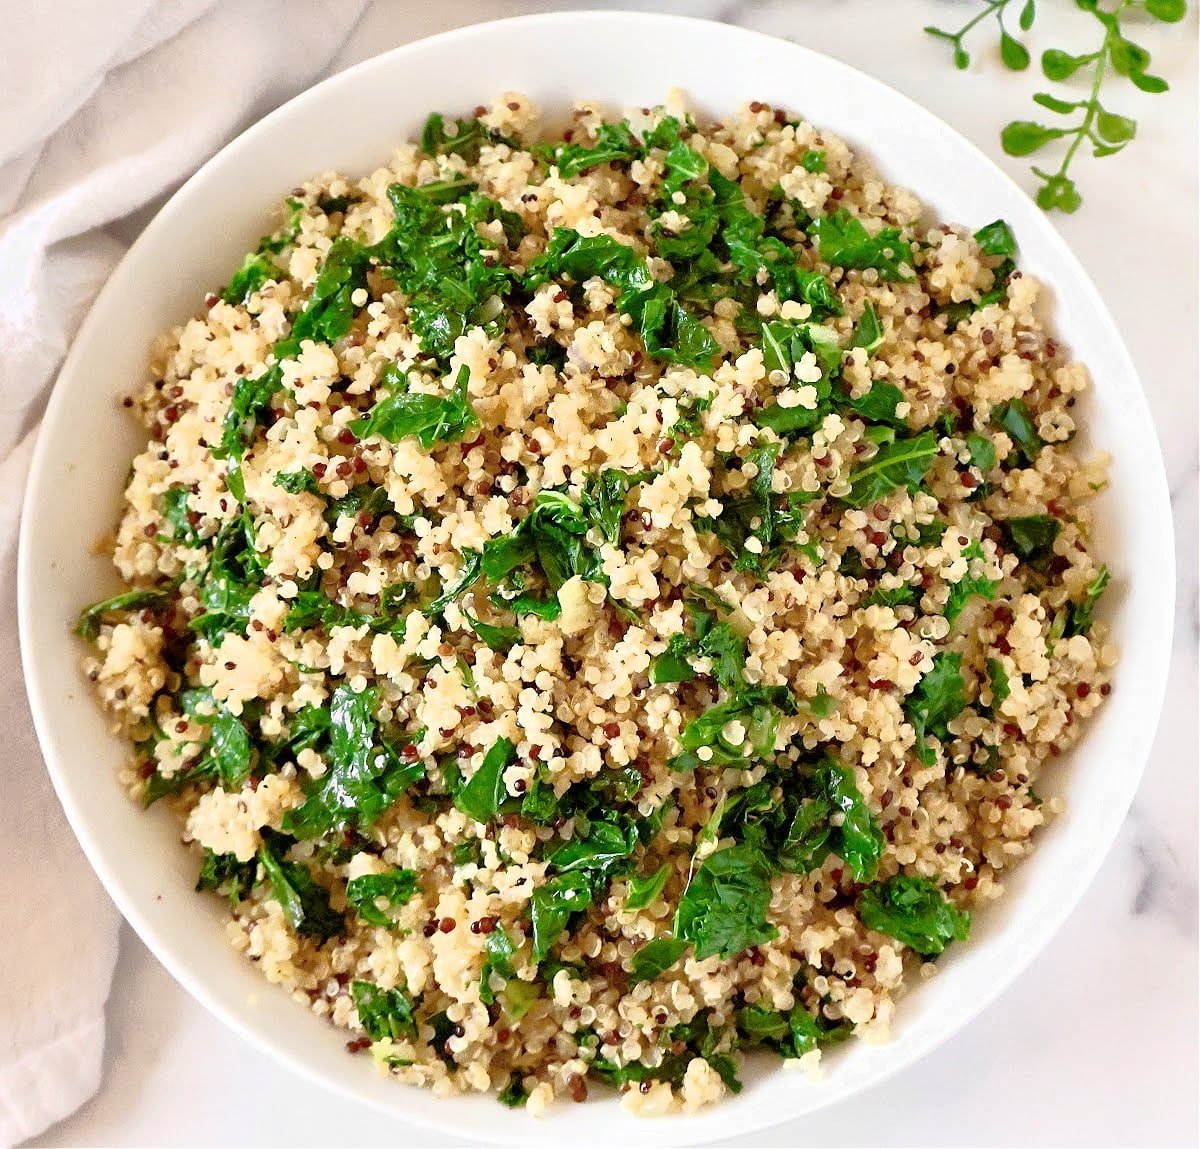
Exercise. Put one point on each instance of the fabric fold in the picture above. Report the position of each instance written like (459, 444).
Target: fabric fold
(103, 110)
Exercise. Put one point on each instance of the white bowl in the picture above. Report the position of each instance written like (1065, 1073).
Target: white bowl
(351, 122)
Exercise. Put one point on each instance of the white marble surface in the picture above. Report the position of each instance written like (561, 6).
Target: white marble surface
(1096, 1044)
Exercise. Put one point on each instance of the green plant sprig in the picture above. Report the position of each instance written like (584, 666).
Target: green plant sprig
(1014, 54)
(1106, 132)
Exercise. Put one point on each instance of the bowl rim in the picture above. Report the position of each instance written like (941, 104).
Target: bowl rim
(706, 1126)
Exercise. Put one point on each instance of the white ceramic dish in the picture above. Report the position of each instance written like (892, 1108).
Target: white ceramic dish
(351, 122)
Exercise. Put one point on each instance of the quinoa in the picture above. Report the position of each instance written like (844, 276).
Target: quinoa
(602, 604)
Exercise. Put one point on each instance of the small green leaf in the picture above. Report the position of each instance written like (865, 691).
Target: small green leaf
(913, 911)
(1147, 83)
(1032, 536)
(88, 626)
(552, 906)
(937, 699)
(498, 638)
(1128, 58)
(868, 334)
(725, 907)
(1057, 65)
(1114, 129)
(1058, 193)
(656, 957)
(1022, 137)
(1014, 54)
(395, 887)
(996, 238)
(513, 1095)
(305, 903)
(1013, 417)
(998, 680)
(484, 792)
(1054, 104)
(982, 451)
(1079, 620)
(1025, 20)
(383, 1013)
(962, 59)
(901, 463)
(643, 891)
(1168, 11)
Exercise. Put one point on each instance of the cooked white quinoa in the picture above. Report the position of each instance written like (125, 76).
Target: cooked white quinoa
(880, 608)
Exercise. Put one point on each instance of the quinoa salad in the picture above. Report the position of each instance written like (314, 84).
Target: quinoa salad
(600, 602)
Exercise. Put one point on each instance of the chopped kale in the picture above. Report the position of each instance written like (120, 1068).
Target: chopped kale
(464, 138)
(668, 330)
(604, 497)
(868, 334)
(514, 1094)
(438, 257)
(364, 776)
(553, 533)
(899, 463)
(305, 904)
(1013, 418)
(713, 640)
(656, 957)
(982, 451)
(384, 1014)
(430, 419)
(614, 143)
(552, 906)
(913, 911)
(898, 596)
(176, 512)
(468, 574)
(1032, 536)
(394, 887)
(483, 794)
(724, 908)
(219, 871)
(937, 699)
(644, 890)
(499, 638)
(230, 580)
(998, 680)
(754, 713)
(1080, 614)
(843, 241)
(88, 625)
(298, 481)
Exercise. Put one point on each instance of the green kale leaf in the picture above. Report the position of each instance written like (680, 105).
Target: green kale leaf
(913, 911)
(900, 463)
(383, 1013)
(364, 893)
(430, 419)
(724, 908)
(305, 904)
(484, 793)
(843, 241)
(936, 700)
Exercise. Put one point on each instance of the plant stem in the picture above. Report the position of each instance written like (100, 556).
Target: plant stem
(991, 7)
(1084, 131)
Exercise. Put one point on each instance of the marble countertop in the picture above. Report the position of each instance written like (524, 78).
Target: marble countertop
(1096, 1043)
